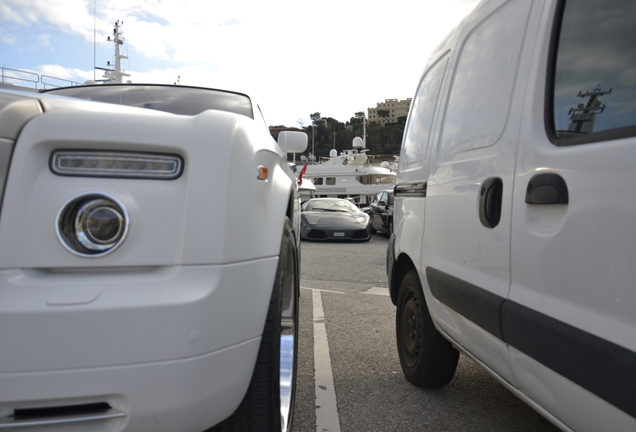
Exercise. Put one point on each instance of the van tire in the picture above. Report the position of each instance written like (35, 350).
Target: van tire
(426, 357)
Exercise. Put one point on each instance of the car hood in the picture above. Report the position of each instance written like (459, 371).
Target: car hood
(335, 218)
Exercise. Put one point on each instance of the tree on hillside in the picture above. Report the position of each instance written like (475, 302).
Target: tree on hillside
(380, 140)
(356, 122)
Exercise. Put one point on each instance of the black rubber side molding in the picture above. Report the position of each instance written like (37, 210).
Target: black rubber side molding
(478, 305)
(598, 365)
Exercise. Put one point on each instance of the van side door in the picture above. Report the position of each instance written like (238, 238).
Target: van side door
(466, 246)
(570, 319)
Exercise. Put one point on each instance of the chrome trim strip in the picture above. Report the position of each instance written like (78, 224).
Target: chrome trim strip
(175, 162)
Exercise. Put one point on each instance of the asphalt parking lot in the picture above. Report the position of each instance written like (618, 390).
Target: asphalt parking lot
(368, 391)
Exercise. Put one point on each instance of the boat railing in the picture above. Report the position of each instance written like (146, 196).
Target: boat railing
(32, 80)
(366, 164)
(65, 82)
(19, 77)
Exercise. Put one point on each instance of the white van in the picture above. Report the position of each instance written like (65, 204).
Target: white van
(515, 213)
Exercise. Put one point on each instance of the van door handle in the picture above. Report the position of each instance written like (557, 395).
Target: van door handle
(547, 188)
(491, 194)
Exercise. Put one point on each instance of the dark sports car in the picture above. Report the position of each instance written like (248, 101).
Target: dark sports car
(334, 219)
(381, 212)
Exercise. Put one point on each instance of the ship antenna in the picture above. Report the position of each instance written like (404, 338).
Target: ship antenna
(117, 74)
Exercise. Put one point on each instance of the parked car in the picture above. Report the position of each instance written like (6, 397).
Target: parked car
(334, 219)
(515, 209)
(140, 290)
(381, 211)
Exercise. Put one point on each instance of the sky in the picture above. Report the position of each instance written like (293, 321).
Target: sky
(294, 58)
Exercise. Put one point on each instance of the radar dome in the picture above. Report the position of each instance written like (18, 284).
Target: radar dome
(333, 153)
(303, 158)
(357, 142)
(385, 164)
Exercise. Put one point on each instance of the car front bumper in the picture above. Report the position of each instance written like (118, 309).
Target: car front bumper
(318, 234)
(172, 348)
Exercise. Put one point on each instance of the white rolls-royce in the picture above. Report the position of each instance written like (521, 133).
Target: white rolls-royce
(149, 266)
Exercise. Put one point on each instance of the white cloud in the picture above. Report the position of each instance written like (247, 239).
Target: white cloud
(6, 37)
(44, 40)
(233, 21)
(63, 75)
(17, 11)
(297, 57)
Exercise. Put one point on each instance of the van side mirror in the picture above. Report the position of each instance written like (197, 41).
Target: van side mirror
(292, 142)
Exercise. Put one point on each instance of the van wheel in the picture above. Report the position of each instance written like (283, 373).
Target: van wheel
(390, 226)
(269, 402)
(427, 359)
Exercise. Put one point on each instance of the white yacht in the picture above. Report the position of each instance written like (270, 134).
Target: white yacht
(350, 175)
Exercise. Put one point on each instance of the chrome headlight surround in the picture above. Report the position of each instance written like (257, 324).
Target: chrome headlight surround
(116, 164)
(92, 224)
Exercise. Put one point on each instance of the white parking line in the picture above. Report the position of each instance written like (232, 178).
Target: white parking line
(327, 419)
(322, 290)
(377, 291)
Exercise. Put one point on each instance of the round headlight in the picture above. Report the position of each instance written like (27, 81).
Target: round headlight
(92, 224)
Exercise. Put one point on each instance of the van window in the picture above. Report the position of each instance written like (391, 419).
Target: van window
(418, 130)
(482, 87)
(595, 71)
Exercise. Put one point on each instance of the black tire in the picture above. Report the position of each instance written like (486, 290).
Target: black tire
(426, 357)
(390, 226)
(261, 408)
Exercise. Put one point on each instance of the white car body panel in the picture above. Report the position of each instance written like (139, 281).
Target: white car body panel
(195, 239)
(165, 329)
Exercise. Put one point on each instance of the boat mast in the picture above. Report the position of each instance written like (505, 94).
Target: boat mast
(583, 116)
(117, 74)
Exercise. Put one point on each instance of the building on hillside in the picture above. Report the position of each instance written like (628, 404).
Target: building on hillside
(396, 108)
